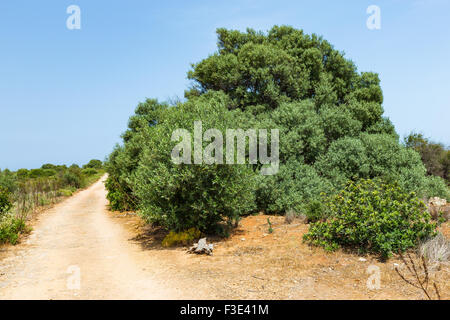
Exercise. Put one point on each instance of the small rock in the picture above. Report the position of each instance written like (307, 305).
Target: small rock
(362, 259)
(242, 239)
(202, 247)
(438, 207)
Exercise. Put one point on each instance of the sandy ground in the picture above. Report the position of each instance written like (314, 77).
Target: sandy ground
(119, 257)
(77, 237)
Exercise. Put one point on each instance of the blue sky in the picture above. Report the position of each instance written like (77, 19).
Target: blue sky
(66, 95)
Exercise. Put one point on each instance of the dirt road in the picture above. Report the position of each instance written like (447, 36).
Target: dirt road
(76, 251)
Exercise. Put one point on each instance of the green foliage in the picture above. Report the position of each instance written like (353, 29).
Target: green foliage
(22, 174)
(292, 187)
(93, 164)
(119, 199)
(8, 180)
(41, 173)
(436, 187)
(181, 238)
(315, 211)
(64, 192)
(185, 196)
(283, 65)
(5, 201)
(73, 178)
(10, 227)
(375, 155)
(25, 190)
(301, 134)
(89, 171)
(331, 124)
(123, 161)
(338, 122)
(372, 216)
(345, 159)
(434, 156)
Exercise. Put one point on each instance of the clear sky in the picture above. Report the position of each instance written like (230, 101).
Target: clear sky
(66, 95)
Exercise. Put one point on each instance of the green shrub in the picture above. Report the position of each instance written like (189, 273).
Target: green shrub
(302, 137)
(49, 166)
(293, 187)
(330, 119)
(436, 187)
(89, 172)
(181, 238)
(22, 174)
(5, 201)
(338, 122)
(183, 196)
(8, 180)
(345, 159)
(10, 227)
(435, 156)
(73, 177)
(40, 173)
(316, 211)
(64, 193)
(374, 217)
(93, 164)
(119, 200)
(123, 161)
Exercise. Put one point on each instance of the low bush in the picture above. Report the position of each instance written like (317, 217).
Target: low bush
(64, 193)
(5, 201)
(123, 161)
(89, 171)
(10, 227)
(372, 216)
(119, 200)
(73, 178)
(93, 164)
(8, 180)
(316, 211)
(183, 196)
(436, 187)
(293, 187)
(181, 238)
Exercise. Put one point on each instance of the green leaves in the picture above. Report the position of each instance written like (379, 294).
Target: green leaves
(332, 129)
(285, 65)
(181, 196)
(372, 216)
(5, 201)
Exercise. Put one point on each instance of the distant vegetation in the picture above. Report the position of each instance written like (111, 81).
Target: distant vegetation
(332, 130)
(435, 156)
(23, 191)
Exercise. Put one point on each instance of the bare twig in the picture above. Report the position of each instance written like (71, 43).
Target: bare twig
(422, 284)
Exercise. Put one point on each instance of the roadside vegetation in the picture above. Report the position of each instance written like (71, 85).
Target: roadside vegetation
(341, 162)
(24, 191)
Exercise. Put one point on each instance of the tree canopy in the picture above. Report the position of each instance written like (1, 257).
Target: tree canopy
(329, 115)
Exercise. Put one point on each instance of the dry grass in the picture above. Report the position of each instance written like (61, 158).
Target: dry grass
(289, 217)
(436, 250)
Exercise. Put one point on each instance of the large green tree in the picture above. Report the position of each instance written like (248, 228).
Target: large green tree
(329, 115)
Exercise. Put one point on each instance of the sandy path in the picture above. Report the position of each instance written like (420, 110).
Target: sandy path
(78, 236)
